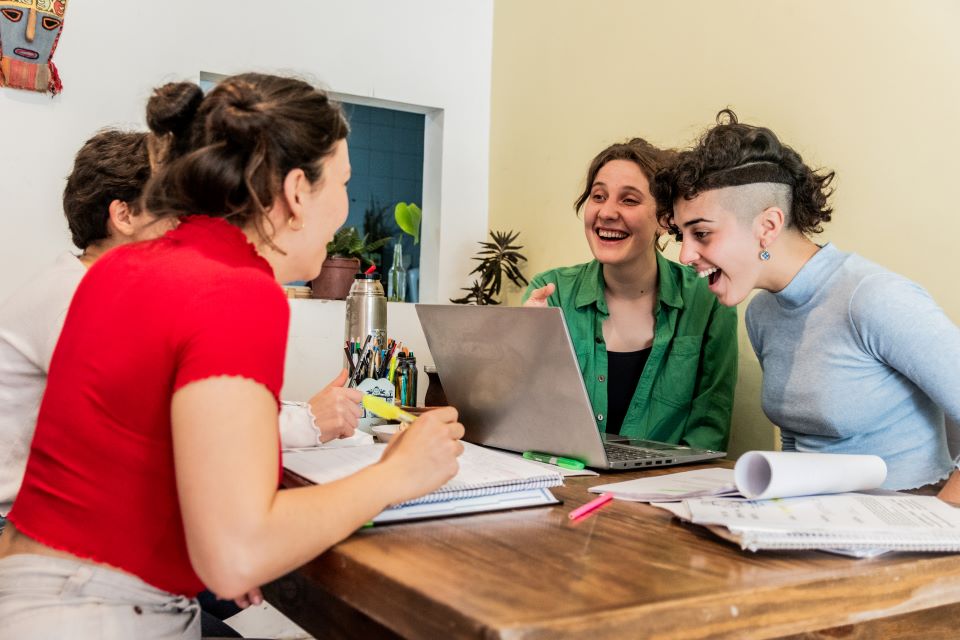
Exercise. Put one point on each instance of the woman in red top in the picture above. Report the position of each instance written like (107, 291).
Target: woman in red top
(154, 467)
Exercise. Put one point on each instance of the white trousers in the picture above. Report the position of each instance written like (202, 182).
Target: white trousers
(44, 598)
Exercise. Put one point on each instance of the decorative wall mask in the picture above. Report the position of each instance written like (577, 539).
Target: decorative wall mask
(29, 31)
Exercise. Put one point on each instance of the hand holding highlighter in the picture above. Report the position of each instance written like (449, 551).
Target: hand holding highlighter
(386, 410)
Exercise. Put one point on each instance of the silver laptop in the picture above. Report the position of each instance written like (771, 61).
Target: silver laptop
(513, 375)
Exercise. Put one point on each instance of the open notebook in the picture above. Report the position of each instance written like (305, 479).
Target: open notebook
(842, 523)
(487, 481)
(802, 501)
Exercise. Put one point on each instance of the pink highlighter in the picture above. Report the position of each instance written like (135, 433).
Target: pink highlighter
(591, 506)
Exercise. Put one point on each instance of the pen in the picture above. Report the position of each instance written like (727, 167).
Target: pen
(384, 409)
(590, 507)
(346, 350)
(563, 463)
(362, 362)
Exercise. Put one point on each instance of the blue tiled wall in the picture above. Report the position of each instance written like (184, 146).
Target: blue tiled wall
(386, 156)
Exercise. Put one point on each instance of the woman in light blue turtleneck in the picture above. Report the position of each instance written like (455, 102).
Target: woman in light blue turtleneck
(855, 358)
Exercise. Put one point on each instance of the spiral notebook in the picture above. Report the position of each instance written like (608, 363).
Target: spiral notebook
(846, 522)
(507, 481)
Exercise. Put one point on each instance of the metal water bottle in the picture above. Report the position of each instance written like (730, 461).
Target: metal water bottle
(366, 309)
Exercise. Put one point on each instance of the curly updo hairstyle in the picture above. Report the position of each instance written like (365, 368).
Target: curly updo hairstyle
(732, 154)
(226, 154)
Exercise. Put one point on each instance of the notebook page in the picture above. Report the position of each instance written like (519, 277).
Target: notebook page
(857, 525)
(326, 465)
(482, 471)
(672, 487)
(839, 513)
(480, 467)
(463, 506)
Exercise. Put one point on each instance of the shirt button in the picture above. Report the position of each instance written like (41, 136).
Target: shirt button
(600, 378)
(599, 416)
(599, 340)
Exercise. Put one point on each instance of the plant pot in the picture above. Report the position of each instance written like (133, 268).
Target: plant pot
(336, 276)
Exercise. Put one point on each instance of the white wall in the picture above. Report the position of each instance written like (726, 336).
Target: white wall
(111, 54)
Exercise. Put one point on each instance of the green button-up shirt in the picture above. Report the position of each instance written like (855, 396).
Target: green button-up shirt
(685, 394)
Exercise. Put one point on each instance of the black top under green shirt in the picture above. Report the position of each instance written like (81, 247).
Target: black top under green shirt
(685, 391)
(624, 369)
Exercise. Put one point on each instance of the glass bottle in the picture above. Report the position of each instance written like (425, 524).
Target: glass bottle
(411, 387)
(405, 380)
(399, 379)
(397, 276)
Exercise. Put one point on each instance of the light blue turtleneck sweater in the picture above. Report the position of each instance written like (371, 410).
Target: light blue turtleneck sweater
(857, 359)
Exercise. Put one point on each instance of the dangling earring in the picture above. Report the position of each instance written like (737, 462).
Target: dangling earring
(764, 254)
(293, 228)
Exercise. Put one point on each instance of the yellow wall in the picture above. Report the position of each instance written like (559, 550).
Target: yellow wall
(869, 88)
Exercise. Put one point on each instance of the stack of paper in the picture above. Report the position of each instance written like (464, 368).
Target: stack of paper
(851, 523)
(775, 500)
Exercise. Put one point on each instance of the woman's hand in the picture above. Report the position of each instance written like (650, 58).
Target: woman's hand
(538, 297)
(951, 490)
(424, 456)
(336, 409)
(252, 597)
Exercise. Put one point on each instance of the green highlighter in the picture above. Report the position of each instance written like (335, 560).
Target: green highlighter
(563, 463)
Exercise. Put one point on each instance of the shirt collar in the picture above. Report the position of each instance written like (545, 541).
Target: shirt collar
(216, 236)
(668, 291)
(590, 289)
(591, 286)
(811, 277)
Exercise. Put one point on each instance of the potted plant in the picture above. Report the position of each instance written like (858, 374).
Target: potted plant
(346, 253)
(497, 259)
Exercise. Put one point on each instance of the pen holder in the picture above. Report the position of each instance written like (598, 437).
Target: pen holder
(382, 388)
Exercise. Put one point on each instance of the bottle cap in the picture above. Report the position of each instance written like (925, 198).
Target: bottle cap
(367, 276)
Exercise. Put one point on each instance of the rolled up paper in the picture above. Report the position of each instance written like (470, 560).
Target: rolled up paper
(761, 475)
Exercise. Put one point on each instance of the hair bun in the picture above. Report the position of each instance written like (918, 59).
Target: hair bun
(238, 115)
(172, 107)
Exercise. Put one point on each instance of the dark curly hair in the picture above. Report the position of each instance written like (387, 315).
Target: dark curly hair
(112, 165)
(732, 154)
(649, 158)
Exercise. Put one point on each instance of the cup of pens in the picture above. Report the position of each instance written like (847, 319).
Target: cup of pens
(372, 364)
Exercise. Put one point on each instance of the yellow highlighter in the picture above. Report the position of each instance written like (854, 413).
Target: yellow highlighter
(379, 406)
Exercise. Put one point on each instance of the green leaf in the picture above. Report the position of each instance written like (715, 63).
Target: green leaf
(408, 217)
(373, 246)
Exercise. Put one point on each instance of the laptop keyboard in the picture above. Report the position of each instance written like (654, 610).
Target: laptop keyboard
(623, 452)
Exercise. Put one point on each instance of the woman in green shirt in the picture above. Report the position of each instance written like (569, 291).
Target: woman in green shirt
(657, 351)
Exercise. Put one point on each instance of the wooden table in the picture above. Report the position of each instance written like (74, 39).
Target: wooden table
(629, 571)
